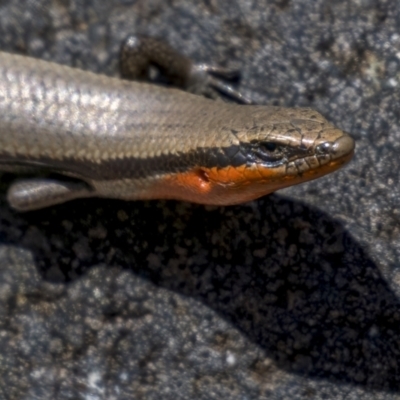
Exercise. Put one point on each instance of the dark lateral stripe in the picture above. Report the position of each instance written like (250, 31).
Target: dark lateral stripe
(135, 168)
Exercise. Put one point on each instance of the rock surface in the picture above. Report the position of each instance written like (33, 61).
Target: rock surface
(292, 296)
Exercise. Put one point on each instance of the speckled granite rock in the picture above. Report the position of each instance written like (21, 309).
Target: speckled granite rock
(292, 296)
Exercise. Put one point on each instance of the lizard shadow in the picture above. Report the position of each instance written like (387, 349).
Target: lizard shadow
(287, 275)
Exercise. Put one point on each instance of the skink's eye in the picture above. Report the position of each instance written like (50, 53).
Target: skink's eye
(268, 152)
(269, 146)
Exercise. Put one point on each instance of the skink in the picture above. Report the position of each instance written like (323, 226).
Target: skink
(78, 134)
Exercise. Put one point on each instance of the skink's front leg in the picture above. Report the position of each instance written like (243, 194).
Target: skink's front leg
(33, 194)
(140, 54)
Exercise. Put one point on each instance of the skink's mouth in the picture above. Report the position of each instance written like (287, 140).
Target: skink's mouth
(324, 157)
(303, 156)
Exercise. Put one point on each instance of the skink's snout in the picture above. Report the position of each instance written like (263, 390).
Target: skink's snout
(341, 148)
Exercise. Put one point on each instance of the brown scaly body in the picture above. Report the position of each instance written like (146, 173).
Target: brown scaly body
(106, 137)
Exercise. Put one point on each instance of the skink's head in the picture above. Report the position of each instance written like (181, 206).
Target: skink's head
(273, 148)
(284, 147)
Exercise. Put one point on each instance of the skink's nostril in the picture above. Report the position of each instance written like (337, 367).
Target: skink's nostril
(324, 148)
(343, 146)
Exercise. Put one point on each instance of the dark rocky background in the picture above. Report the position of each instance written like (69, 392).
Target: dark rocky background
(294, 296)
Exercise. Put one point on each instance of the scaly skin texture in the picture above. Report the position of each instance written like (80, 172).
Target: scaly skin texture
(114, 138)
